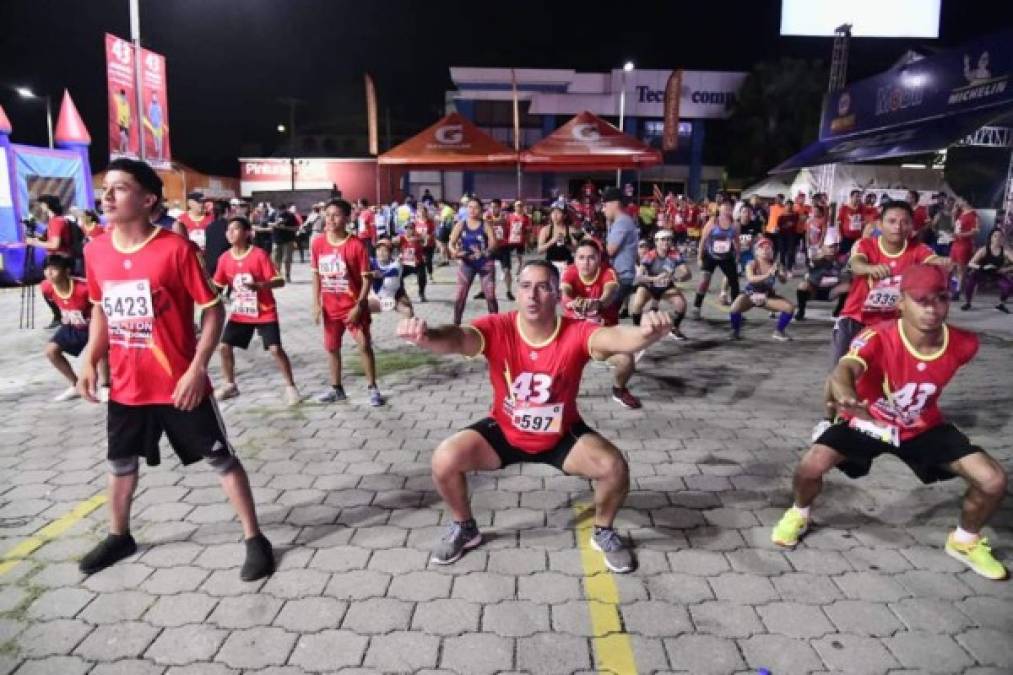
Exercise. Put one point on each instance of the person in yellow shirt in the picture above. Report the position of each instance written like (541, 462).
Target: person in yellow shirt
(123, 119)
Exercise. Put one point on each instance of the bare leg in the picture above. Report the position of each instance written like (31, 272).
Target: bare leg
(334, 361)
(236, 485)
(121, 495)
(595, 458)
(453, 458)
(367, 356)
(808, 480)
(281, 358)
(59, 361)
(228, 363)
(623, 364)
(986, 487)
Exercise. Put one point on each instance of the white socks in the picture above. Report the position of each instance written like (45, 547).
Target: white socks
(962, 536)
(802, 510)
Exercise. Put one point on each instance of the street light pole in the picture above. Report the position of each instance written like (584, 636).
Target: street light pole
(627, 67)
(135, 37)
(49, 120)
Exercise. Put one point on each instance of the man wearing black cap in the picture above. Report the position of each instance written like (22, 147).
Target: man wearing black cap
(622, 241)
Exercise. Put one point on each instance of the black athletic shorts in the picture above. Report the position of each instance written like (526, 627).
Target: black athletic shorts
(238, 334)
(489, 429)
(846, 329)
(657, 292)
(927, 454)
(503, 255)
(135, 430)
(70, 340)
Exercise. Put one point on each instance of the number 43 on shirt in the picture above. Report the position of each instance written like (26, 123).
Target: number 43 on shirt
(529, 392)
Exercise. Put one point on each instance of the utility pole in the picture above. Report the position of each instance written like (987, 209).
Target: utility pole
(291, 102)
(135, 37)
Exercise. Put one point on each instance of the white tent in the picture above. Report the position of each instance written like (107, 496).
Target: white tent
(878, 178)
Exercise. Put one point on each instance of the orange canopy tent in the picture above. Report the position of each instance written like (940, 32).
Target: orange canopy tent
(452, 143)
(588, 143)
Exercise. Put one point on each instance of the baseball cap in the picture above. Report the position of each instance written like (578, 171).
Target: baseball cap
(195, 196)
(234, 202)
(921, 281)
(612, 194)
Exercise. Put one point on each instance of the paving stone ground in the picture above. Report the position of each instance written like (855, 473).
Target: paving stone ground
(344, 493)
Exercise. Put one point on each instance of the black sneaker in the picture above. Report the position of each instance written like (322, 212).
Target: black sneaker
(422, 298)
(510, 296)
(259, 561)
(964, 307)
(479, 296)
(1002, 308)
(799, 316)
(109, 551)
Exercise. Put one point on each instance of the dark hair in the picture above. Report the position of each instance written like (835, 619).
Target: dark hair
(92, 215)
(219, 208)
(141, 172)
(243, 222)
(545, 265)
(341, 204)
(60, 261)
(898, 204)
(497, 201)
(52, 202)
(363, 202)
(473, 198)
(855, 192)
(589, 242)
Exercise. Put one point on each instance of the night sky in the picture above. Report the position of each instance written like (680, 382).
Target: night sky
(229, 61)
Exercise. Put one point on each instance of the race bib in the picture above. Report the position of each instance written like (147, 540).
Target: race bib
(387, 304)
(758, 299)
(333, 274)
(73, 317)
(539, 420)
(498, 231)
(198, 237)
(125, 301)
(884, 296)
(721, 246)
(408, 257)
(887, 433)
(745, 241)
(516, 232)
(829, 281)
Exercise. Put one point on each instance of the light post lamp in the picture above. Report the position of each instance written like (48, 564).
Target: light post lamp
(26, 93)
(627, 68)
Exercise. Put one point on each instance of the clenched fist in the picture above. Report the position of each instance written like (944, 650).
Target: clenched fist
(413, 330)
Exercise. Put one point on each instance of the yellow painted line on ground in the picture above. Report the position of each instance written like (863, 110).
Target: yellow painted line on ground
(612, 646)
(15, 555)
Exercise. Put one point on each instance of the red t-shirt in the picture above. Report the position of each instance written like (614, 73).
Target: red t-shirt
(534, 386)
(851, 221)
(248, 306)
(148, 295)
(870, 213)
(966, 222)
(594, 289)
(426, 230)
(633, 211)
(870, 301)
(413, 253)
(195, 228)
(499, 225)
(365, 225)
(901, 385)
(920, 219)
(58, 227)
(75, 307)
(342, 269)
(520, 226)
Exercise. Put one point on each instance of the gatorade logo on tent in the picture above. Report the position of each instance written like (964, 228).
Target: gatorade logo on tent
(585, 132)
(451, 134)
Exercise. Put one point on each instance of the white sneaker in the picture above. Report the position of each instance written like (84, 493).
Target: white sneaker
(227, 391)
(68, 394)
(103, 394)
(292, 396)
(780, 337)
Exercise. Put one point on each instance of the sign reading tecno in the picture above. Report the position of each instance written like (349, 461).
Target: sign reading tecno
(704, 94)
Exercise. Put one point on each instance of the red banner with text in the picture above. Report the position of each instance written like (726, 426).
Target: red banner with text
(155, 109)
(123, 127)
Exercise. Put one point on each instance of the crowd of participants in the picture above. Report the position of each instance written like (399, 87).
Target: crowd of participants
(891, 268)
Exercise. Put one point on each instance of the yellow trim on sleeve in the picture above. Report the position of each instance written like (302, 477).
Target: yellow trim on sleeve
(851, 356)
(481, 337)
(210, 304)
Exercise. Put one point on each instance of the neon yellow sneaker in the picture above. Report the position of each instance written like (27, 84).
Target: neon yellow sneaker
(977, 556)
(788, 530)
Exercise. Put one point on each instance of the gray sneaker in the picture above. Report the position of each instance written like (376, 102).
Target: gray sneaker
(618, 556)
(459, 538)
(331, 395)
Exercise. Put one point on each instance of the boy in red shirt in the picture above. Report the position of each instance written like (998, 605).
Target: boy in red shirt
(194, 223)
(851, 219)
(887, 390)
(341, 276)
(70, 295)
(412, 246)
(536, 360)
(248, 274)
(146, 282)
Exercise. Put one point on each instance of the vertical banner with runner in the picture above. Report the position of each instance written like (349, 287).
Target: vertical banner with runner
(155, 109)
(673, 92)
(371, 116)
(124, 130)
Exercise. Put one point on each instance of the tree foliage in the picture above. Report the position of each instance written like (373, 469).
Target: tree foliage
(776, 114)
